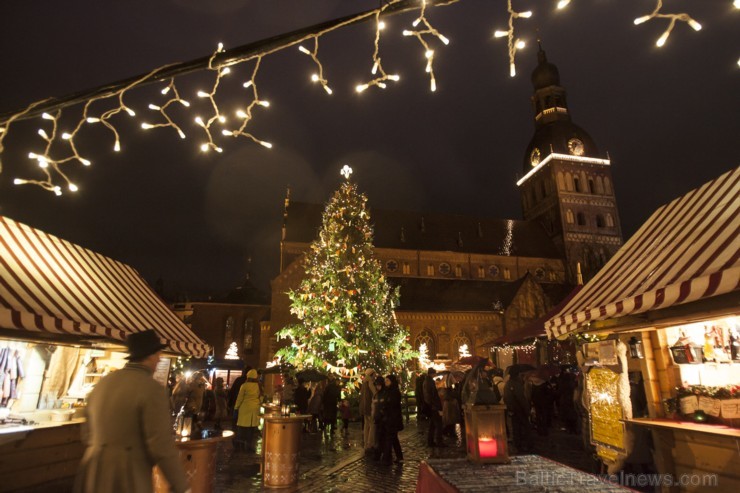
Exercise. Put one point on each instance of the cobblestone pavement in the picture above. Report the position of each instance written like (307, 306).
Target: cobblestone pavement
(335, 464)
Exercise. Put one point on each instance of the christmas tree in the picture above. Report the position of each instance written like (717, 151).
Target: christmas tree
(344, 304)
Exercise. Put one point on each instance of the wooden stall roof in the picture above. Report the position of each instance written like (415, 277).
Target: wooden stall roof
(49, 285)
(687, 251)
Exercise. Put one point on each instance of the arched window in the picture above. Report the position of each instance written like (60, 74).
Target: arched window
(581, 218)
(543, 189)
(576, 184)
(248, 339)
(599, 221)
(430, 269)
(584, 183)
(507, 273)
(569, 185)
(561, 181)
(569, 216)
(609, 220)
(426, 337)
(607, 186)
(228, 331)
(599, 185)
(591, 187)
(481, 271)
(406, 268)
(460, 339)
(458, 270)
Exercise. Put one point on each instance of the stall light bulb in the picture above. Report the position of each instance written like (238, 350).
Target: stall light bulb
(520, 44)
(428, 68)
(57, 191)
(315, 77)
(18, 181)
(181, 133)
(642, 19)
(204, 147)
(304, 50)
(130, 112)
(695, 25)
(222, 119)
(661, 41)
(264, 103)
(241, 114)
(394, 77)
(2, 129)
(512, 70)
(444, 39)
(563, 3)
(43, 134)
(406, 32)
(227, 132)
(220, 47)
(266, 144)
(500, 34)
(361, 87)
(165, 90)
(374, 70)
(47, 116)
(382, 85)
(117, 146)
(433, 85)
(73, 187)
(218, 149)
(328, 90)
(146, 126)
(203, 94)
(247, 84)
(416, 22)
(381, 24)
(429, 53)
(154, 107)
(93, 120)
(527, 14)
(66, 136)
(199, 120)
(184, 103)
(42, 162)
(736, 3)
(225, 71)
(85, 162)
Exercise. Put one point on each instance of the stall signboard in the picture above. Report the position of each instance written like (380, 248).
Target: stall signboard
(730, 408)
(602, 353)
(710, 406)
(607, 427)
(162, 373)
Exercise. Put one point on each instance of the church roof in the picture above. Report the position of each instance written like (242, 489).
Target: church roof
(433, 232)
(440, 295)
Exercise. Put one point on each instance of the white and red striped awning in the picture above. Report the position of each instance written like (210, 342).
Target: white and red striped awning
(688, 250)
(51, 285)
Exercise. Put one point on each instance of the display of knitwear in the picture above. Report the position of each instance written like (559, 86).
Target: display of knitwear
(11, 369)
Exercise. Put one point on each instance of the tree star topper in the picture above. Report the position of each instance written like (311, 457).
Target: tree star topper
(346, 171)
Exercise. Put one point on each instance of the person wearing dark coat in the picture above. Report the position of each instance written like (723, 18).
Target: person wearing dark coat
(421, 408)
(392, 421)
(434, 410)
(330, 402)
(378, 408)
(518, 408)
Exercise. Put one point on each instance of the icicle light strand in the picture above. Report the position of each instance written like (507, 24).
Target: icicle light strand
(673, 18)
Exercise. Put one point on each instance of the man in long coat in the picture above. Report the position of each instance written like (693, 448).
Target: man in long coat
(128, 429)
(367, 392)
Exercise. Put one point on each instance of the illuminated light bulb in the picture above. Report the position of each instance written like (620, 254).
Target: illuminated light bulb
(500, 34)
(18, 181)
(32, 155)
(185, 103)
(2, 129)
(146, 126)
(43, 134)
(394, 77)
(428, 68)
(315, 77)
(93, 120)
(303, 49)
(563, 3)
(512, 70)
(241, 114)
(204, 147)
(43, 163)
(199, 121)
(66, 136)
(526, 14)
(429, 53)
(218, 149)
(444, 39)
(154, 107)
(361, 87)
(520, 44)
(642, 19)
(203, 94)
(416, 22)
(407, 33)
(247, 84)
(382, 85)
(225, 71)
(374, 69)
(227, 132)
(736, 3)
(695, 25)
(222, 119)
(266, 144)
(57, 191)
(181, 133)
(117, 146)
(72, 187)
(433, 85)
(264, 103)
(85, 162)
(165, 90)
(130, 112)
(220, 47)
(381, 24)
(47, 116)
(328, 90)
(662, 39)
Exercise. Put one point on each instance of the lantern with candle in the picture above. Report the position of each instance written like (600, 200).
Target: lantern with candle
(485, 433)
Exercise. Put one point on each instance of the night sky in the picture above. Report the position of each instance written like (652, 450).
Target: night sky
(667, 117)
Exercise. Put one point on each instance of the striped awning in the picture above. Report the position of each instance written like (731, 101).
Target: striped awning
(51, 285)
(688, 250)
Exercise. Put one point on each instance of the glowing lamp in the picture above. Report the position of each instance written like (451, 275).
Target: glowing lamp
(635, 346)
(485, 433)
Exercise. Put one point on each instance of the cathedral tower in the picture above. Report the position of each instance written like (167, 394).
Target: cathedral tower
(567, 185)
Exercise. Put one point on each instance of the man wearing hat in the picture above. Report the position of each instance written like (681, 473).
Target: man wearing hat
(128, 428)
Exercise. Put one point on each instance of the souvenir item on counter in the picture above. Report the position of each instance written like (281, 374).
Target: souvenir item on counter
(734, 347)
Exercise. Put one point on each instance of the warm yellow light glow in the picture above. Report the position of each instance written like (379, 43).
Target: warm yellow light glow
(266, 144)
(93, 120)
(662, 39)
(694, 25)
(247, 84)
(203, 94)
(381, 24)
(147, 126)
(85, 162)
(500, 34)
(66, 136)
(204, 147)
(199, 120)
(563, 3)
(520, 44)
(527, 14)
(47, 116)
(264, 103)
(304, 50)
(72, 187)
(154, 107)
(117, 146)
(362, 87)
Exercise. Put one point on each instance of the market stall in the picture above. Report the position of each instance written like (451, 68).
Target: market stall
(65, 312)
(665, 311)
